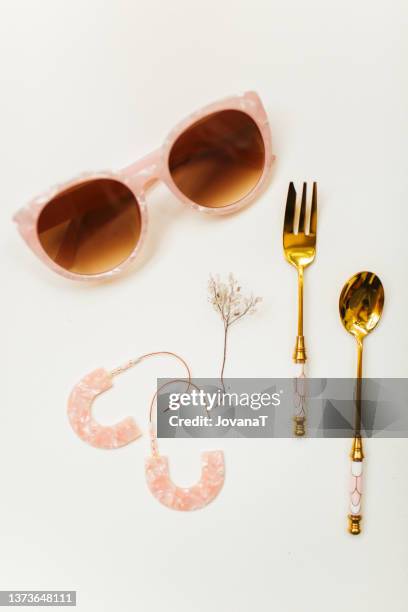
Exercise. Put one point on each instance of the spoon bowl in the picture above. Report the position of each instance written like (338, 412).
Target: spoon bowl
(361, 304)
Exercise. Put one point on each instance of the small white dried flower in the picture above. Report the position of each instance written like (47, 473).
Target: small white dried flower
(228, 301)
(231, 305)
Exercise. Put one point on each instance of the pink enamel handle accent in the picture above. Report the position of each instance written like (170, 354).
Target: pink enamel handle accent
(299, 417)
(356, 491)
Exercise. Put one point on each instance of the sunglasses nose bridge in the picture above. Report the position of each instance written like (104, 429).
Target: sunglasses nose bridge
(143, 173)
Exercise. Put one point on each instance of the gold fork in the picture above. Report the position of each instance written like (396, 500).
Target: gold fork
(300, 249)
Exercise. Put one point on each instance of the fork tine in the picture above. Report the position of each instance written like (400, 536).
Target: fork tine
(290, 209)
(313, 212)
(302, 215)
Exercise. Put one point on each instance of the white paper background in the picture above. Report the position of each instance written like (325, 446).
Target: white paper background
(89, 85)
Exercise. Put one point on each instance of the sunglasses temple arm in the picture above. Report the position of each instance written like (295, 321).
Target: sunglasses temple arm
(145, 170)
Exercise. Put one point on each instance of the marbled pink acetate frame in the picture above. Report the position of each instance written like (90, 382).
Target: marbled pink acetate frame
(141, 175)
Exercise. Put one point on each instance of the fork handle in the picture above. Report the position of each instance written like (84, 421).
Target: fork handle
(299, 417)
(299, 354)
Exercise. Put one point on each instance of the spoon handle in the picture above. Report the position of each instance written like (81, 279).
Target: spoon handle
(357, 454)
(356, 486)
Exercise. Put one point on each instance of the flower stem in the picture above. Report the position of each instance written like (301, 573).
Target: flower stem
(224, 355)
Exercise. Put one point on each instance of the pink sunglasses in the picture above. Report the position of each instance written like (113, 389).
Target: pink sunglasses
(217, 161)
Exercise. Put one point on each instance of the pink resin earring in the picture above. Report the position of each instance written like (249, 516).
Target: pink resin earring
(182, 498)
(79, 413)
(126, 431)
(185, 498)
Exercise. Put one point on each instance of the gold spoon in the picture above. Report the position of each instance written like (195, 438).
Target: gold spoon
(361, 303)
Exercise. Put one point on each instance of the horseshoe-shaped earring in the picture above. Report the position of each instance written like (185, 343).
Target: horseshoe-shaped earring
(163, 488)
(80, 416)
(82, 397)
(126, 431)
(188, 498)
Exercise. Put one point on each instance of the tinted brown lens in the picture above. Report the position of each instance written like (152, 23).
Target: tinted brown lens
(218, 160)
(92, 227)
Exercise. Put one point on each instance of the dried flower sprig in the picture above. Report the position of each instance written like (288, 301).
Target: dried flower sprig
(231, 305)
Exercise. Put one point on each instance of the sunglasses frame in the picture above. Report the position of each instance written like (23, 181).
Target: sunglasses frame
(141, 175)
